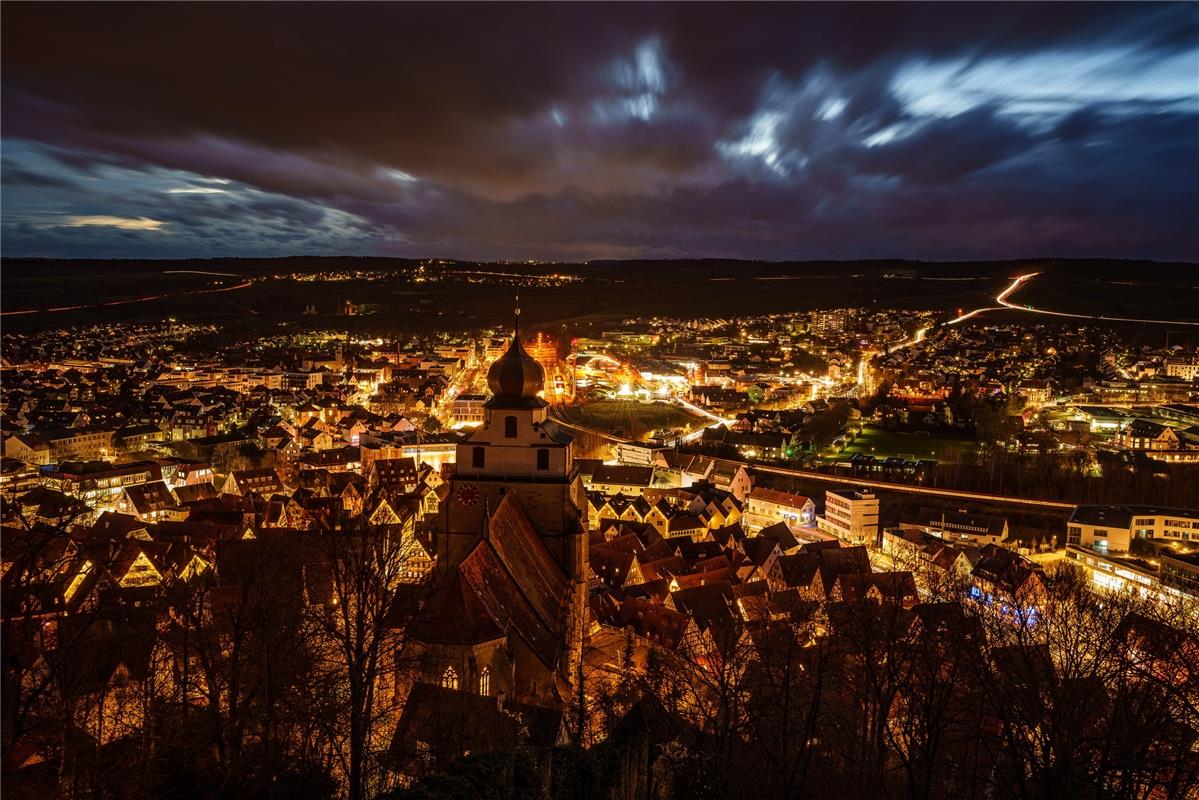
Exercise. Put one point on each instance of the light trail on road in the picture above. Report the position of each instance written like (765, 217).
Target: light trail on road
(128, 300)
(1005, 305)
(199, 272)
(903, 487)
(556, 416)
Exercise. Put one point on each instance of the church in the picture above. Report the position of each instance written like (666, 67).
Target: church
(508, 613)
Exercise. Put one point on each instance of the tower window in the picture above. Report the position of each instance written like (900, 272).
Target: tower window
(476, 457)
(509, 427)
(485, 681)
(449, 678)
(543, 458)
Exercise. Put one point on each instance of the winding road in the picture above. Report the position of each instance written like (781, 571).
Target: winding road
(1002, 299)
(1004, 304)
(1020, 280)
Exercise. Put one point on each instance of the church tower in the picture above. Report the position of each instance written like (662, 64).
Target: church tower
(515, 451)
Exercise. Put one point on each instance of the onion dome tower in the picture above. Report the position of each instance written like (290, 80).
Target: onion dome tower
(516, 449)
(515, 378)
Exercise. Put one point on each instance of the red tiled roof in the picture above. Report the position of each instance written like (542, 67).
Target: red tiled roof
(778, 498)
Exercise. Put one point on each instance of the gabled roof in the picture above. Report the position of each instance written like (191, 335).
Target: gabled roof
(1004, 568)
(781, 534)
(706, 604)
(654, 621)
(759, 549)
(524, 554)
(387, 471)
(112, 526)
(685, 522)
(798, 569)
(611, 565)
(662, 567)
(778, 498)
(729, 535)
(195, 491)
(147, 498)
(623, 475)
(1146, 429)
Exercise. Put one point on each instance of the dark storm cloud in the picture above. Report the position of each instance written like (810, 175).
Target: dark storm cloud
(567, 131)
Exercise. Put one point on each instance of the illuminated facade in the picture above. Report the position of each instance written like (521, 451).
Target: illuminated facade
(559, 385)
(1113, 528)
(850, 515)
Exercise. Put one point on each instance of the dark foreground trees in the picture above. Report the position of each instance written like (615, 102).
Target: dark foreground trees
(1085, 696)
(269, 673)
(272, 673)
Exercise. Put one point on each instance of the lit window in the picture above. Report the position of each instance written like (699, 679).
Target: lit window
(485, 681)
(449, 678)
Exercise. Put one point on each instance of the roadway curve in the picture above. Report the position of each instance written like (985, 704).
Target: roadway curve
(1002, 299)
(1005, 305)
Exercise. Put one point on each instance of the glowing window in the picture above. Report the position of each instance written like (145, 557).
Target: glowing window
(485, 681)
(449, 678)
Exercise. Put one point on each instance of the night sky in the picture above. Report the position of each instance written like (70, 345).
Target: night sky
(569, 132)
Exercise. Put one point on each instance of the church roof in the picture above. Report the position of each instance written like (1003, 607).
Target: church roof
(454, 615)
(508, 582)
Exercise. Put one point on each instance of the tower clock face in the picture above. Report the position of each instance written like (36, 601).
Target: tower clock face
(468, 495)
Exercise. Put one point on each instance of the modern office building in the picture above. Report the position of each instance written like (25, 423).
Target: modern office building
(851, 515)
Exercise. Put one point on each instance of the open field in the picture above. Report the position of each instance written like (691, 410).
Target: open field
(881, 443)
(630, 416)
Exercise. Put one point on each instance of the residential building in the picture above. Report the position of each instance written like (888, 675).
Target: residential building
(621, 479)
(1142, 434)
(765, 507)
(468, 409)
(1182, 368)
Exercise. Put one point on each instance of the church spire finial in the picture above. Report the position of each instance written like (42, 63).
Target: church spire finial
(516, 325)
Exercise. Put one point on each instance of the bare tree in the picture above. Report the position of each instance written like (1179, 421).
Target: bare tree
(365, 573)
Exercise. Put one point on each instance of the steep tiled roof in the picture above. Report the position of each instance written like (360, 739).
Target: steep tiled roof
(454, 615)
